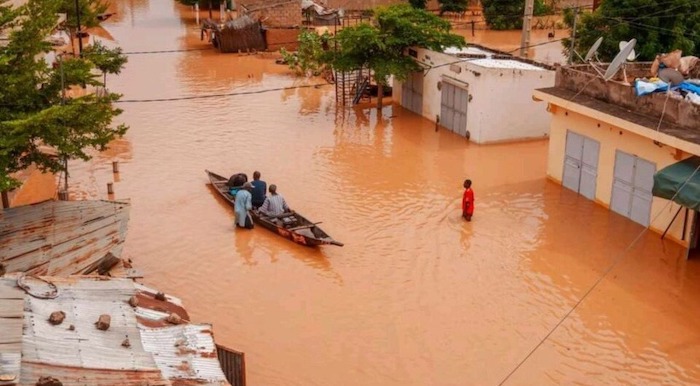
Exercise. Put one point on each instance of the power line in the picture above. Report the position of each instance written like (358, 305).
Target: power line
(597, 282)
(166, 51)
(317, 85)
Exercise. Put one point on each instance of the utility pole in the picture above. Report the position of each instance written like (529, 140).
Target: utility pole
(527, 26)
(573, 36)
(80, 38)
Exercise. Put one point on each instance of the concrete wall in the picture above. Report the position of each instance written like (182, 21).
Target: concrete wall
(583, 79)
(501, 106)
(612, 139)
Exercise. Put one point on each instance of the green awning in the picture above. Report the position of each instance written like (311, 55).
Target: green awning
(670, 179)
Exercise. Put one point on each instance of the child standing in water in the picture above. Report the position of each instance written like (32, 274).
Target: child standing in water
(468, 201)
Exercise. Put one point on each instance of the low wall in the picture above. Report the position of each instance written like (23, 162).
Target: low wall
(287, 38)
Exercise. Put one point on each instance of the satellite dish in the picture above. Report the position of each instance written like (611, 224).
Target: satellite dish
(593, 50)
(619, 60)
(631, 57)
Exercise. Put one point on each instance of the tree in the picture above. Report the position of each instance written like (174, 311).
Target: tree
(508, 14)
(381, 46)
(658, 26)
(420, 4)
(310, 59)
(457, 6)
(107, 60)
(33, 109)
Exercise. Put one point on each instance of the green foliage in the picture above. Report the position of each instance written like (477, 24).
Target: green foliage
(420, 4)
(310, 59)
(89, 9)
(32, 110)
(658, 26)
(381, 46)
(107, 60)
(457, 6)
(508, 14)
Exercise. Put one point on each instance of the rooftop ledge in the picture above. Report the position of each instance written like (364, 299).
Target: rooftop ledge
(582, 81)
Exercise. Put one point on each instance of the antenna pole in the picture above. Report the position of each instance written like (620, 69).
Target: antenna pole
(527, 25)
(573, 35)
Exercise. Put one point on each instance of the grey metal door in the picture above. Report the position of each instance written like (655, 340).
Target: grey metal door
(633, 181)
(581, 164)
(412, 93)
(454, 102)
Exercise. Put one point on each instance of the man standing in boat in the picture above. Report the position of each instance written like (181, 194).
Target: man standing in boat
(244, 204)
(259, 189)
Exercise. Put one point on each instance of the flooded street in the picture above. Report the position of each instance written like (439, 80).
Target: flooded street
(416, 296)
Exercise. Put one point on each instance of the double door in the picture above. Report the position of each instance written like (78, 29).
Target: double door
(581, 164)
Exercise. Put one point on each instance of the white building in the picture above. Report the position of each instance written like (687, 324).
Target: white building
(482, 94)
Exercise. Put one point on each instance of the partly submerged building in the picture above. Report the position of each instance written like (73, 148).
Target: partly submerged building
(479, 93)
(99, 331)
(630, 154)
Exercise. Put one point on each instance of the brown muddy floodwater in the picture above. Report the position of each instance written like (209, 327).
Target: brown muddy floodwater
(417, 296)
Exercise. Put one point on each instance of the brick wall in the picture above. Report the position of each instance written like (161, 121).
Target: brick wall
(369, 4)
(286, 38)
(275, 13)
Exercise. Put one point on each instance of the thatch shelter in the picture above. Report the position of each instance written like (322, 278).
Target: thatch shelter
(243, 34)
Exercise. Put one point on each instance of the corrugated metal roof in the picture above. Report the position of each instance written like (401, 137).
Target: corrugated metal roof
(185, 352)
(11, 317)
(61, 237)
(164, 354)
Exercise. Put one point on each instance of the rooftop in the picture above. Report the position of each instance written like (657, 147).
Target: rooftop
(491, 58)
(678, 116)
(149, 341)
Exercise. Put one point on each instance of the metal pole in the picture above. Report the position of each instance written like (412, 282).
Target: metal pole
(671, 223)
(80, 39)
(573, 36)
(527, 24)
(65, 179)
(63, 85)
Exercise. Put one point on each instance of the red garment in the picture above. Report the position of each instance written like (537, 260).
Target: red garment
(468, 202)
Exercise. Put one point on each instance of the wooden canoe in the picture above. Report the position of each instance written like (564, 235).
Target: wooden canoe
(301, 231)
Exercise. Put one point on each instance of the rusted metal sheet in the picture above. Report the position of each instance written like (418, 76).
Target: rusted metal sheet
(11, 317)
(185, 352)
(61, 237)
(77, 353)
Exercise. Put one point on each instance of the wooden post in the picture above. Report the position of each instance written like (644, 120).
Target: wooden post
(115, 166)
(473, 22)
(5, 200)
(110, 188)
(63, 195)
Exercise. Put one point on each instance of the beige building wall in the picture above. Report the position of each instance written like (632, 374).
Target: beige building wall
(611, 139)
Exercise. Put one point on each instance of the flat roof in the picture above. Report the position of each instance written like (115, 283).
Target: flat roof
(504, 63)
(468, 50)
(669, 134)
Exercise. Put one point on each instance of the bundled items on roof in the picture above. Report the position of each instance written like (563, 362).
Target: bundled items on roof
(317, 14)
(673, 73)
(243, 34)
(97, 331)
